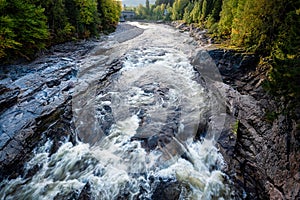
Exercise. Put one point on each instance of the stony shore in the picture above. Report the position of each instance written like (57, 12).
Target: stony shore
(262, 154)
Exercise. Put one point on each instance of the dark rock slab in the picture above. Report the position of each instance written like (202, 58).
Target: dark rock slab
(167, 190)
(34, 105)
(262, 156)
(233, 65)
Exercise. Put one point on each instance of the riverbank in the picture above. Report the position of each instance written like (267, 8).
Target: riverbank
(261, 153)
(36, 98)
(261, 146)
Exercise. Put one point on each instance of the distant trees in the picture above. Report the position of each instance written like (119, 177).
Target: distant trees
(166, 2)
(30, 25)
(159, 11)
(256, 25)
(269, 28)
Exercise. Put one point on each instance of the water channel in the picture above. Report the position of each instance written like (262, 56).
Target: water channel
(145, 130)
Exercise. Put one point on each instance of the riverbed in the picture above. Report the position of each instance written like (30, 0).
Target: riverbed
(145, 119)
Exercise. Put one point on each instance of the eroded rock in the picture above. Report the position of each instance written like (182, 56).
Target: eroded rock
(35, 105)
(262, 154)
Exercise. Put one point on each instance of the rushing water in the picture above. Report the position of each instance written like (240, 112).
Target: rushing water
(141, 130)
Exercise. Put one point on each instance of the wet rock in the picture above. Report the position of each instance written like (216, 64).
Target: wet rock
(93, 124)
(260, 154)
(85, 193)
(233, 65)
(199, 35)
(201, 131)
(53, 83)
(167, 190)
(8, 97)
(106, 119)
(127, 32)
(181, 26)
(69, 196)
(35, 105)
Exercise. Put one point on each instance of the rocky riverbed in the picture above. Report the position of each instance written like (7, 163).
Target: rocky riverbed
(262, 156)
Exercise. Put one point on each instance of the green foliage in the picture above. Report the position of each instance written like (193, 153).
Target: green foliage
(284, 78)
(205, 10)
(159, 11)
(269, 28)
(148, 5)
(227, 14)
(109, 12)
(27, 26)
(87, 11)
(166, 2)
(288, 41)
(187, 17)
(178, 9)
(141, 12)
(270, 116)
(7, 36)
(196, 12)
(23, 28)
(284, 47)
(216, 10)
(235, 127)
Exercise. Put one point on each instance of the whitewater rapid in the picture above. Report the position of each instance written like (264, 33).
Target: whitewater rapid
(140, 129)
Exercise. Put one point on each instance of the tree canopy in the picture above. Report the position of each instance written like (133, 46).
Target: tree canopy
(30, 25)
(269, 28)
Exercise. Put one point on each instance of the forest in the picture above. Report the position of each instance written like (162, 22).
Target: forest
(270, 29)
(27, 26)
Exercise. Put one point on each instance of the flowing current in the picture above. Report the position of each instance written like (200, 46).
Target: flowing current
(145, 131)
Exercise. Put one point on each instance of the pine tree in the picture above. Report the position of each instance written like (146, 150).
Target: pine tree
(227, 15)
(178, 9)
(147, 5)
(238, 27)
(187, 17)
(109, 12)
(23, 28)
(216, 10)
(204, 11)
(196, 12)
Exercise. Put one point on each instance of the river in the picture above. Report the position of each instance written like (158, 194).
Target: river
(145, 129)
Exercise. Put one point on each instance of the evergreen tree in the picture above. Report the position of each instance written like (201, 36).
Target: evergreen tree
(147, 5)
(196, 12)
(178, 9)
(158, 12)
(166, 2)
(216, 10)
(141, 12)
(227, 15)
(204, 11)
(27, 26)
(58, 20)
(109, 12)
(187, 17)
(23, 28)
